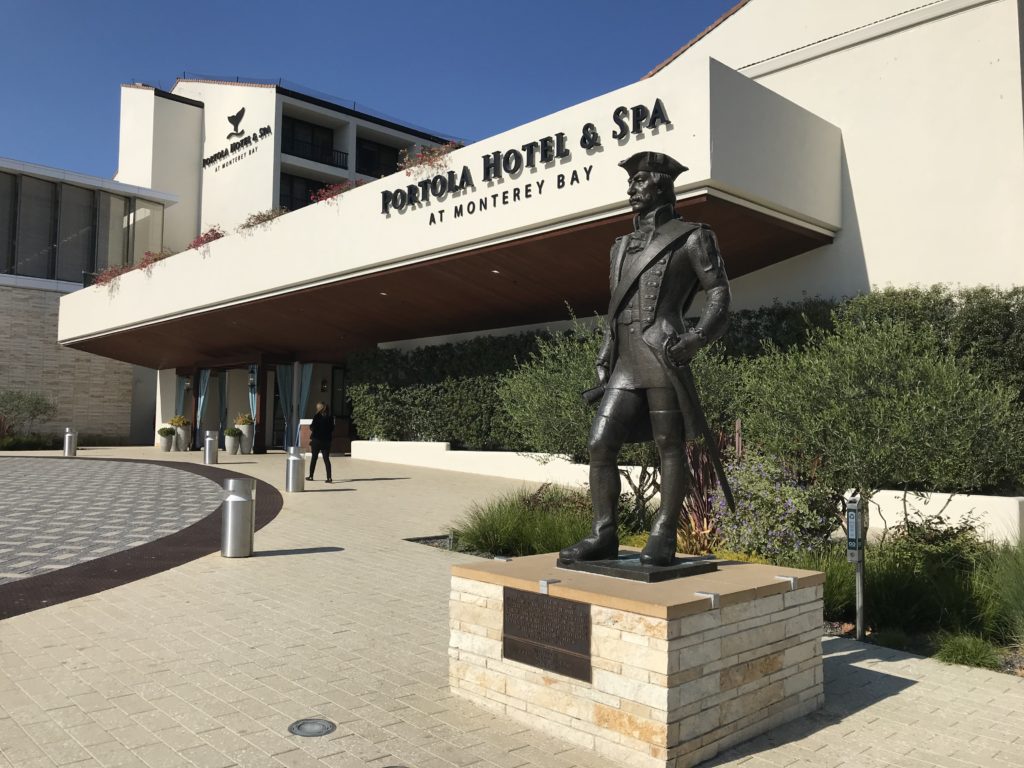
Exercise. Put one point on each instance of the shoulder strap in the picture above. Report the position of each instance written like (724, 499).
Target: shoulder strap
(668, 235)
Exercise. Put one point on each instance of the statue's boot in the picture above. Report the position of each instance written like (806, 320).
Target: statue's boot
(606, 437)
(668, 434)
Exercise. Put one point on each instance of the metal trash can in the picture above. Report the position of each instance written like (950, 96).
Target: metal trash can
(210, 447)
(70, 443)
(295, 471)
(239, 524)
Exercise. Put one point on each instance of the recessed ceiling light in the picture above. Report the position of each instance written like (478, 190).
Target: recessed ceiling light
(383, 293)
(495, 271)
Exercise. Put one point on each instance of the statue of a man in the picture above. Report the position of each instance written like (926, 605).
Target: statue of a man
(643, 364)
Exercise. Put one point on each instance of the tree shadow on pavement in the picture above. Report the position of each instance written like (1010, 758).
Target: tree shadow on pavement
(850, 686)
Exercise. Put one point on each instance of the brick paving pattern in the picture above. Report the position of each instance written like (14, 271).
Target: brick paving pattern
(205, 665)
(56, 513)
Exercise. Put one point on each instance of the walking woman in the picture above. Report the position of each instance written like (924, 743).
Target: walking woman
(320, 433)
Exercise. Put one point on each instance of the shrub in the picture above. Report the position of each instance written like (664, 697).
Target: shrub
(29, 443)
(179, 421)
(19, 409)
(446, 392)
(839, 593)
(968, 649)
(232, 432)
(166, 431)
(998, 585)
(892, 638)
(881, 405)
(776, 513)
(525, 522)
(332, 191)
(243, 418)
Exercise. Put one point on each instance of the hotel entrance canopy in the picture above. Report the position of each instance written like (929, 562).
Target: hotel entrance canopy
(504, 232)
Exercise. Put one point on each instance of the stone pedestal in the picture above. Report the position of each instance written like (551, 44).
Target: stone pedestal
(679, 670)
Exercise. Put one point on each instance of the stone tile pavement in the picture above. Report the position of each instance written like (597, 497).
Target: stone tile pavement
(56, 513)
(206, 664)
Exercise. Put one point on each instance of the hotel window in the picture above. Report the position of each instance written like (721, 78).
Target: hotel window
(37, 228)
(147, 229)
(313, 142)
(76, 246)
(373, 159)
(8, 211)
(112, 243)
(295, 191)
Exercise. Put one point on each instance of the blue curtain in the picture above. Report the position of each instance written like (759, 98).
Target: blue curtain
(284, 392)
(179, 396)
(307, 374)
(204, 382)
(222, 391)
(254, 373)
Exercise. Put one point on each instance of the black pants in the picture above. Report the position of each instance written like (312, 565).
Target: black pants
(324, 449)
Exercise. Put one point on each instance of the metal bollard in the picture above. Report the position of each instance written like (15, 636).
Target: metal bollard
(239, 525)
(295, 471)
(210, 447)
(70, 443)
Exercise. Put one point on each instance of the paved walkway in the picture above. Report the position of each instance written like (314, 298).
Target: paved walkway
(56, 513)
(207, 664)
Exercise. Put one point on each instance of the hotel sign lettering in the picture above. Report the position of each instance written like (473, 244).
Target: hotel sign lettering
(237, 150)
(547, 150)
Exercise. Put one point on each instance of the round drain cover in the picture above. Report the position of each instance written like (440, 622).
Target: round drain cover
(312, 726)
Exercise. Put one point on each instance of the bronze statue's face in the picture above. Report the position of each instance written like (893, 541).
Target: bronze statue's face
(644, 195)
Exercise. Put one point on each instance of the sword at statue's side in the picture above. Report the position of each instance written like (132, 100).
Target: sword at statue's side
(685, 388)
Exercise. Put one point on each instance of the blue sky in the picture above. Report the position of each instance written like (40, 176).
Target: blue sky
(463, 68)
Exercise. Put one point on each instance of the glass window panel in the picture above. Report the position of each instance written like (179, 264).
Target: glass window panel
(8, 194)
(149, 229)
(37, 220)
(77, 243)
(112, 238)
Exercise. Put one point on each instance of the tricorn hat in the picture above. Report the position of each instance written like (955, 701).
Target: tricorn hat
(653, 162)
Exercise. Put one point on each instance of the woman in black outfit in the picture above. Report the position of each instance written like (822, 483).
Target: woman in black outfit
(320, 433)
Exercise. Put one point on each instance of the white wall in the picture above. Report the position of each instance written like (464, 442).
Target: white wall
(135, 144)
(177, 150)
(929, 104)
(242, 183)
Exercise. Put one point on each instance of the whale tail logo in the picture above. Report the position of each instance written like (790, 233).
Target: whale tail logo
(235, 120)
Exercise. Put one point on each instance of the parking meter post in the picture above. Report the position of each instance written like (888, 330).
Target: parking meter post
(856, 532)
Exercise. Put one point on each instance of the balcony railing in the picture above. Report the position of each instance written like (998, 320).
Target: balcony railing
(315, 152)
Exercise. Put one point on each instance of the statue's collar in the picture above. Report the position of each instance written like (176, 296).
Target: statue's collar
(654, 219)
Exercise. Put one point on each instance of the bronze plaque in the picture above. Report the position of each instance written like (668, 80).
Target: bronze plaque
(547, 632)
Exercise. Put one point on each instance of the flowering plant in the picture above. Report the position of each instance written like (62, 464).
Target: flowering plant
(433, 158)
(331, 191)
(178, 421)
(243, 418)
(260, 218)
(207, 237)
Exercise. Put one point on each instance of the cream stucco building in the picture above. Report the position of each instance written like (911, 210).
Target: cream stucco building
(834, 146)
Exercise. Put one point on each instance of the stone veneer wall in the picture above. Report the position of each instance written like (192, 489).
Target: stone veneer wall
(92, 393)
(664, 692)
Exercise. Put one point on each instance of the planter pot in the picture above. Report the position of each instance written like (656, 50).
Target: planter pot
(165, 442)
(183, 439)
(246, 438)
(231, 444)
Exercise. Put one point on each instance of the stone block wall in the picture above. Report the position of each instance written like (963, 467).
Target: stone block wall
(664, 692)
(92, 393)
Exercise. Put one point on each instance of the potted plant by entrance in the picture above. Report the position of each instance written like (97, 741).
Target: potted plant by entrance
(244, 423)
(183, 432)
(232, 436)
(166, 437)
